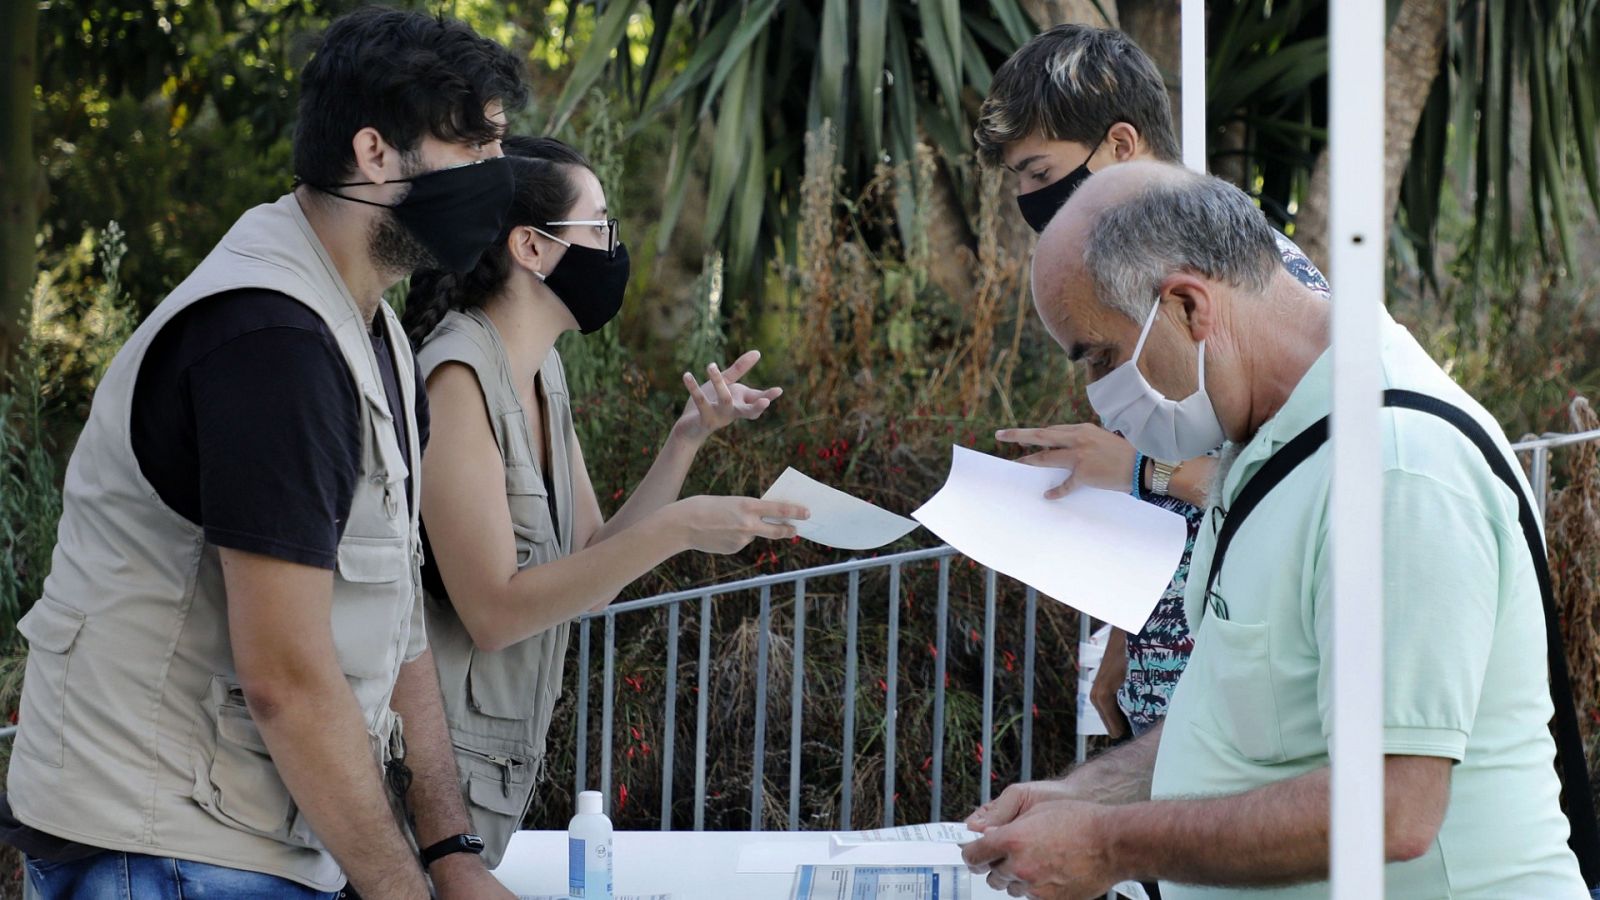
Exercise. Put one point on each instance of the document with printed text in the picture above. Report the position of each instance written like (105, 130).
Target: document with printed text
(881, 883)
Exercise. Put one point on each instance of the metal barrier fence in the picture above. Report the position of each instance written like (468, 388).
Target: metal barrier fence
(763, 586)
(1537, 449)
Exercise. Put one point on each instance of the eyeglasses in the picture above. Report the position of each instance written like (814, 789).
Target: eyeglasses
(610, 225)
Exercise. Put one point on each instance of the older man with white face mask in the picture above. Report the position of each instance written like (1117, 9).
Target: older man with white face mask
(1168, 286)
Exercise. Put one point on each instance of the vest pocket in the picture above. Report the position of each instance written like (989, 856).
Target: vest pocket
(372, 604)
(505, 684)
(498, 782)
(51, 628)
(380, 506)
(529, 504)
(235, 779)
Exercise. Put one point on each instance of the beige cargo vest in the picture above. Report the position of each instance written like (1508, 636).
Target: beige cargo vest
(134, 732)
(499, 704)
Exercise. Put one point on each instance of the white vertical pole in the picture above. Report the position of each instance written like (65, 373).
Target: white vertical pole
(1193, 45)
(1357, 239)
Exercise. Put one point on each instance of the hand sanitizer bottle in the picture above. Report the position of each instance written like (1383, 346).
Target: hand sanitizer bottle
(589, 851)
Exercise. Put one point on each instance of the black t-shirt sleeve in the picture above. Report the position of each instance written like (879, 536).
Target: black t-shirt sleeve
(278, 445)
(245, 421)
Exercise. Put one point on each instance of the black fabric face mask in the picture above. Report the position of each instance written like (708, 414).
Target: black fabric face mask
(1040, 206)
(455, 213)
(590, 282)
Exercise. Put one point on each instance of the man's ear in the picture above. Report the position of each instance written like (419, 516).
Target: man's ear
(376, 160)
(1198, 300)
(1124, 141)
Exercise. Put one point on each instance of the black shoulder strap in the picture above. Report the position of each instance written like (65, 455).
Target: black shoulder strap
(1576, 794)
(1277, 467)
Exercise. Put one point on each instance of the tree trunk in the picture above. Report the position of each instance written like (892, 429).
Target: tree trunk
(1157, 27)
(19, 208)
(1411, 63)
(1050, 13)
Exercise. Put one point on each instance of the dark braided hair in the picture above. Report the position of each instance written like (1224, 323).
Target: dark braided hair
(544, 191)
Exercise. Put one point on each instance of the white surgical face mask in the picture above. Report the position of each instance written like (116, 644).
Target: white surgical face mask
(1155, 425)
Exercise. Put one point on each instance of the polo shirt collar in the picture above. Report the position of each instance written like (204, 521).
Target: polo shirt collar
(1311, 399)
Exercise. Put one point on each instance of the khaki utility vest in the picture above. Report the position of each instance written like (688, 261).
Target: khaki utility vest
(499, 704)
(134, 732)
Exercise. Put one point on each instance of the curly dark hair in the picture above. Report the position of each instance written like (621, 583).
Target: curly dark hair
(544, 191)
(405, 74)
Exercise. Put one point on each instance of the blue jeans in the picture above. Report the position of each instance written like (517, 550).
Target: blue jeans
(113, 875)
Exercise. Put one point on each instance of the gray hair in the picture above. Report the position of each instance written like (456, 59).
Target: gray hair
(1184, 223)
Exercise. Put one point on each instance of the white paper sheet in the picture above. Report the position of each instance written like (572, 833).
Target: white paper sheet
(837, 519)
(1101, 552)
(881, 883)
(783, 857)
(932, 833)
(1090, 654)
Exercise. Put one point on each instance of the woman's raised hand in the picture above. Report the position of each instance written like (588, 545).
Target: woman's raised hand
(723, 398)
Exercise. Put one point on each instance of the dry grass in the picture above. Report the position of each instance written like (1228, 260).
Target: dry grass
(1572, 526)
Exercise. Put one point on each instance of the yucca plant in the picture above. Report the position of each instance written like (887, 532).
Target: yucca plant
(750, 77)
(758, 74)
(1514, 93)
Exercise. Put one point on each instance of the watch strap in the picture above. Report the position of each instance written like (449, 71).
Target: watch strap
(460, 843)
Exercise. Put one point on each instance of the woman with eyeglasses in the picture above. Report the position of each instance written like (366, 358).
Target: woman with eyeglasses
(515, 544)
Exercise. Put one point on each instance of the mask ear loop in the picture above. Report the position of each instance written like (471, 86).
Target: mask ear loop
(567, 244)
(1145, 333)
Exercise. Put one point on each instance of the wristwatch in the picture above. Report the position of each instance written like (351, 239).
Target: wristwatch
(1161, 475)
(461, 843)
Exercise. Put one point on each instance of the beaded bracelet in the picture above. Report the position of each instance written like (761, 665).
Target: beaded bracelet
(1138, 470)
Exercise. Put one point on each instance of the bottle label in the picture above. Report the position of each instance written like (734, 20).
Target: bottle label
(576, 868)
(589, 869)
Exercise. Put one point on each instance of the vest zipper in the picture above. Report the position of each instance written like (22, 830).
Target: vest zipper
(507, 764)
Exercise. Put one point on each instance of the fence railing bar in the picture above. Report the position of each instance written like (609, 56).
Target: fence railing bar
(777, 578)
(758, 781)
(892, 696)
(1539, 478)
(796, 701)
(941, 646)
(608, 710)
(669, 739)
(1552, 440)
(985, 788)
(1085, 630)
(1029, 646)
(580, 773)
(848, 763)
(704, 694)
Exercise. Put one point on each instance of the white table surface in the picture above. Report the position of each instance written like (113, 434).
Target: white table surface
(690, 865)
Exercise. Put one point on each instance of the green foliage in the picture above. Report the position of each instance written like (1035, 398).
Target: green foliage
(1512, 112)
(30, 500)
(761, 74)
(170, 117)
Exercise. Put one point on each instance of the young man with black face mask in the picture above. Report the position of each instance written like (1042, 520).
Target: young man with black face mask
(1073, 101)
(234, 614)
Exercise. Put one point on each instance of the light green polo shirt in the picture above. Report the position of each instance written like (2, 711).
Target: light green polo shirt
(1463, 650)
